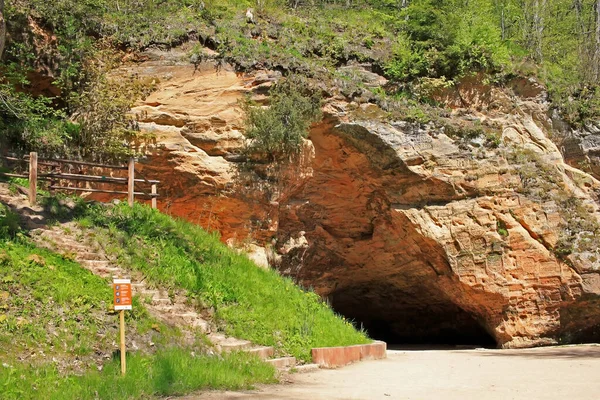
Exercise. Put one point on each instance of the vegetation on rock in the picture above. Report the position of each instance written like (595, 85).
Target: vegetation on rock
(278, 131)
(409, 42)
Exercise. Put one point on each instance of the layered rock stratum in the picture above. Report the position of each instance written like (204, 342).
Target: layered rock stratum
(470, 228)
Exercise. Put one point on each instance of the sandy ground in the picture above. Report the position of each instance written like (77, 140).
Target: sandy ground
(565, 373)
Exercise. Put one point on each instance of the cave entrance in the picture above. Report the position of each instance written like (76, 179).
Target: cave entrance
(413, 315)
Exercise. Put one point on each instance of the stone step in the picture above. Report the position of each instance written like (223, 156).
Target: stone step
(159, 300)
(226, 344)
(189, 316)
(150, 292)
(89, 256)
(193, 320)
(263, 352)
(145, 291)
(301, 369)
(60, 239)
(170, 308)
(201, 324)
(107, 272)
(98, 263)
(282, 362)
(107, 269)
(234, 345)
(138, 286)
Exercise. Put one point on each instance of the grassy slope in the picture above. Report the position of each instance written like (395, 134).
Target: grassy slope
(56, 329)
(250, 302)
(56, 332)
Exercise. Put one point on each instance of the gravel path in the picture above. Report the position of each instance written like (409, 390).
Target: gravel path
(568, 372)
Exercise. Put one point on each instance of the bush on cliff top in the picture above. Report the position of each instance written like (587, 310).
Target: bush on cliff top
(406, 41)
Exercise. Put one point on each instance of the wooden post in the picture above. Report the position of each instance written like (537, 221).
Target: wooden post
(131, 182)
(122, 329)
(33, 162)
(153, 195)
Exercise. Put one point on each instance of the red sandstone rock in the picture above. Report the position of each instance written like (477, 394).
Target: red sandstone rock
(412, 232)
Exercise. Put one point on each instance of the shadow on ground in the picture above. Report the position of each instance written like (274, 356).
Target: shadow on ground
(560, 352)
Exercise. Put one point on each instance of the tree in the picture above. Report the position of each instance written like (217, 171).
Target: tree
(2, 28)
(597, 54)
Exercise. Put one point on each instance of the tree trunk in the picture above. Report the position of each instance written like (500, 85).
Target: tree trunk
(597, 52)
(577, 4)
(538, 28)
(2, 28)
(503, 25)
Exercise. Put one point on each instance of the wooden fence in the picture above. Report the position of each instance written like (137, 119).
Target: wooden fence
(52, 172)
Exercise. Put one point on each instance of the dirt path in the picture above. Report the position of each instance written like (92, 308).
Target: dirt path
(544, 373)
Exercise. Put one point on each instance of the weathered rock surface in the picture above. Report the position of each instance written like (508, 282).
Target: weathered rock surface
(196, 120)
(413, 230)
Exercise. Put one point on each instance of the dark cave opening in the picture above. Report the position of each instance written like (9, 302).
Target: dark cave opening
(415, 316)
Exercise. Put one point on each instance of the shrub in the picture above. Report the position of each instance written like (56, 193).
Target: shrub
(277, 132)
(443, 40)
(9, 222)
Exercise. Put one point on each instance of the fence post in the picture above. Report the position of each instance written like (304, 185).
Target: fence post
(153, 195)
(33, 163)
(131, 181)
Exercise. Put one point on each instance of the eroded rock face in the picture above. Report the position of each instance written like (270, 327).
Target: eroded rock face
(417, 233)
(195, 118)
(423, 238)
(403, 227)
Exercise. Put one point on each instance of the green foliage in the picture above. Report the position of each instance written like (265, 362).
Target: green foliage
(501, 228)
(277, 132)
(169, 372)
(581, 105)
(29, 122)
(101, 107)
(252, 303)
(475, 135)
(9, 223)
(446, 39)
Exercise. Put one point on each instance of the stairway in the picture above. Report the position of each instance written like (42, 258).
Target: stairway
(63, 239)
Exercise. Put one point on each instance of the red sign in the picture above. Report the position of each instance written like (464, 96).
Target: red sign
(122, 294)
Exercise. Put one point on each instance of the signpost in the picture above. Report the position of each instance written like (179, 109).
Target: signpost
(122, 302)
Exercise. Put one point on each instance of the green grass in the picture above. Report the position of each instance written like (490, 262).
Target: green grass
(168, 372)
(57, 331)
(51, 304)
(251, 303)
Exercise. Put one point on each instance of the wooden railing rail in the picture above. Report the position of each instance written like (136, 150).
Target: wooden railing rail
(34, 175)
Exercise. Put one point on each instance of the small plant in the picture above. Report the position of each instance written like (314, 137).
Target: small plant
(501, 228)
(9, 223)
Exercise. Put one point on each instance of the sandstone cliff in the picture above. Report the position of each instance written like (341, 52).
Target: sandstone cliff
(472, 227)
